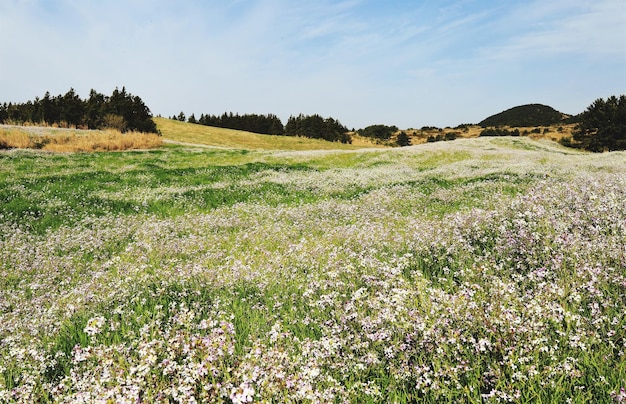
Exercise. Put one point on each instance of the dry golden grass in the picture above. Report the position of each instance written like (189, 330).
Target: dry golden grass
(14, 138)
(108, 140)
(75, 140)
(364, 142)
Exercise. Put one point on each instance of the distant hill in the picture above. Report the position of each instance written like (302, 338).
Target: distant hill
(526, 115)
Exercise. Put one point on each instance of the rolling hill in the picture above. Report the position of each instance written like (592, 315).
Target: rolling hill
(526, 115)
(183, 132)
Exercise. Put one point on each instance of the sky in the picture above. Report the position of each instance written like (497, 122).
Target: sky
(364, 62)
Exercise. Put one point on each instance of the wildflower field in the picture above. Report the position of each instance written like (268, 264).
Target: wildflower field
(479, 270)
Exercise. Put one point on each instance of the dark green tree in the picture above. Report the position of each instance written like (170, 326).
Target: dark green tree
(265, 124)
(403, 139)
(4, 112)
(95, 109)
(72, 108)
(316, 127)
(602, 126)
(136, 114)
(50, 109)
(275, 126)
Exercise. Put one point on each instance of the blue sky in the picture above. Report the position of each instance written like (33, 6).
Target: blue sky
(364, 62)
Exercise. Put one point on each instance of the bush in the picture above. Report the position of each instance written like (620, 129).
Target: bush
(381, 132)
(403, 139)
(117, 122)
(502, 132)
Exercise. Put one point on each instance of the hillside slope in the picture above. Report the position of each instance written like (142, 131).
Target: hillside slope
(183, 132)
(525, 115)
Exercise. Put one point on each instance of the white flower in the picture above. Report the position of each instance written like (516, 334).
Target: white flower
(242, 394)
(94, 325)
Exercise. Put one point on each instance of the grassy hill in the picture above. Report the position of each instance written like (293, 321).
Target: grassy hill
(526, 115)
(184, 132)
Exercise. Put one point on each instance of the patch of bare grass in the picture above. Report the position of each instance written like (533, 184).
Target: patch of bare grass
(14, 139)
(76, 141)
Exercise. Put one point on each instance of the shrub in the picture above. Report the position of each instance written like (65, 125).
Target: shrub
(403, 139)
(381, 132)
(117, 122)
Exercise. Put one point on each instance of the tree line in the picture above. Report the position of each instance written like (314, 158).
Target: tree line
(316, 127)
(498, 131)
(268, 124)
(121, 110)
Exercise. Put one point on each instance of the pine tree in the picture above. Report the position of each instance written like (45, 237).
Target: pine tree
(95, 110)
(72, 108)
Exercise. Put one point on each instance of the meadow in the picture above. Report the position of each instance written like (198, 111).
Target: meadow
(478, 270)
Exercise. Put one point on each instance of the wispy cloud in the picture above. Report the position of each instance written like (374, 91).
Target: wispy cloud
(363, 61)
(564, 28)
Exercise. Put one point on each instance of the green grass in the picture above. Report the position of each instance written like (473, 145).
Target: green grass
(45, 191)
(368, 267)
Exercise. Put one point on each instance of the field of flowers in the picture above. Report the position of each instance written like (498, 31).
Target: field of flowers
(479, 270)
